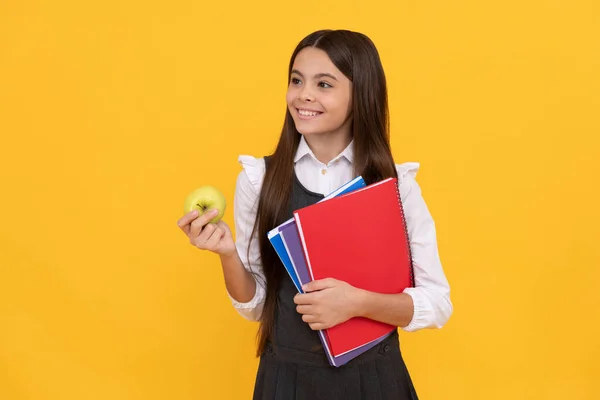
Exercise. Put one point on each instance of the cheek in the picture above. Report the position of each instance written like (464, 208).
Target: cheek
(290, 97)
(336, 109)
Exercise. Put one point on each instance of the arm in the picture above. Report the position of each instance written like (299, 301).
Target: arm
(244, 281)
(243, 274)
(393, 309)
(431, 294)
(427, 305)
(240, 283)
(329, 302)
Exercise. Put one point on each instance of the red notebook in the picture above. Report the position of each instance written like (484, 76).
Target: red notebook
(360, 238)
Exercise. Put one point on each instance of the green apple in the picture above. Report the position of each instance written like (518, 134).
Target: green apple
(204, 199)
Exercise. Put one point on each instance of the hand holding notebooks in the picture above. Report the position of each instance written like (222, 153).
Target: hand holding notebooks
(293, 247)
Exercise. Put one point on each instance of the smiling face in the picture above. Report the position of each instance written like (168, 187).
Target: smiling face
(319, 95)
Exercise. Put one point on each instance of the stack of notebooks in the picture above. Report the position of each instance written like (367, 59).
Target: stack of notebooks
(356, 234)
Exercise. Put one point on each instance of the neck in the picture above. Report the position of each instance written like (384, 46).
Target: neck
(327, 147)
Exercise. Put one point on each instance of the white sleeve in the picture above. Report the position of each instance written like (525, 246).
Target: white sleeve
(247, 190)
(431, 294)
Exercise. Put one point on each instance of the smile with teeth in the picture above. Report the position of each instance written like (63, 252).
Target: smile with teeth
(306, 113)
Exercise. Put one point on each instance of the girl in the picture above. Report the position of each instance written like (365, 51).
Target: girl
(336, 128)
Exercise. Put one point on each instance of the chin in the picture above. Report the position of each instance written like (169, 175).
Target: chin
(309, 131)
(308, 128)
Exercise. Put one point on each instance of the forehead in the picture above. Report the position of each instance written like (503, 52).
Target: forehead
(310, 61)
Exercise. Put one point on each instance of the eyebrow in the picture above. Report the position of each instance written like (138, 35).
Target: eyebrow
(317, 76)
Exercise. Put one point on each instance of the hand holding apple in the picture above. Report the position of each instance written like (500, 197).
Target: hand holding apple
(202, 222)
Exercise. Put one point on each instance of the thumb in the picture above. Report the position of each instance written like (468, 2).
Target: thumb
(319, 285)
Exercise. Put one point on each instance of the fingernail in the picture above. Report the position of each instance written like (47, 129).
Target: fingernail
(194, 213)
(214, 212)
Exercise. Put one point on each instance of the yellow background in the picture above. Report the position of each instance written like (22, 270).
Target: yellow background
(111, 112)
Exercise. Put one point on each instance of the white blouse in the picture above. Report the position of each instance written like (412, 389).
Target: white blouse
(431, 294)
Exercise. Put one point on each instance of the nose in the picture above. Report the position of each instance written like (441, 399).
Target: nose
(306, 94)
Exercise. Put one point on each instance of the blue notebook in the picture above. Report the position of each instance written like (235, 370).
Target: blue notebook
(277, 242)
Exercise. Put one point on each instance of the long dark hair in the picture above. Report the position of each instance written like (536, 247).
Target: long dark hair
(355, 55)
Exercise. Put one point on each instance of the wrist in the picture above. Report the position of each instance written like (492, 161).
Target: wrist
(360, 306)
(228, 258)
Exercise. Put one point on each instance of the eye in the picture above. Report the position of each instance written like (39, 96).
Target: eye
(325, 85)
(295, 81)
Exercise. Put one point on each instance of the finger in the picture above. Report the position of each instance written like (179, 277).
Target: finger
(317, 326)
(223, 226)
(303, 299)
(195, 228)
(319, 285)
(304, 309)
(215, 238)
(310, 319)
(198, 224)
(206, 233)
(184, 222)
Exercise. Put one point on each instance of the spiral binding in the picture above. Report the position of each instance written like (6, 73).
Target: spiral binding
(408, 250)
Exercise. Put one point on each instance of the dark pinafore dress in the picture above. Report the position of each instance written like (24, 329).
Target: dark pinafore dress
(294, 365)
